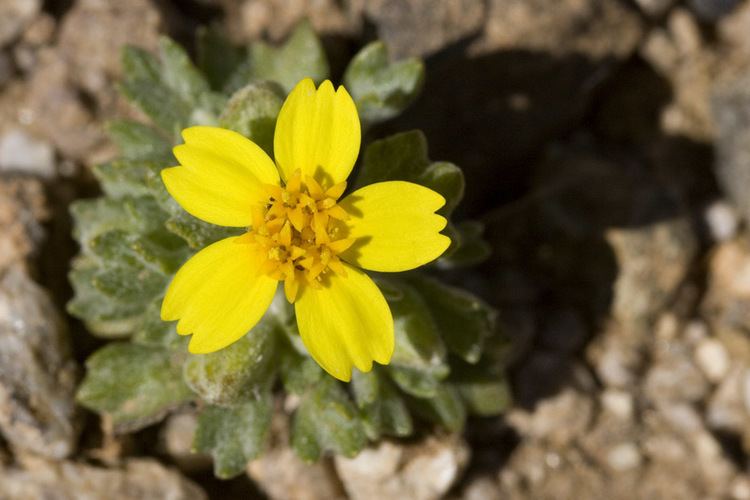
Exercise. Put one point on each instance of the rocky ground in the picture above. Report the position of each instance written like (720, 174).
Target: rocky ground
(606, 145)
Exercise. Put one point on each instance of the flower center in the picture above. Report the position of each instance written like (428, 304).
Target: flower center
(296, 233)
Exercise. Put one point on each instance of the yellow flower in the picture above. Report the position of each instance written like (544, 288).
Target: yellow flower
(299, 232)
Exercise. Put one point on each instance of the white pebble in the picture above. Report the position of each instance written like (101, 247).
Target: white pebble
(712, 358)
(722, 221)
(624, 456)
(22, 153)
(619, 403)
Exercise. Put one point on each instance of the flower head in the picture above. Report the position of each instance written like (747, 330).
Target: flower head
(299, 231)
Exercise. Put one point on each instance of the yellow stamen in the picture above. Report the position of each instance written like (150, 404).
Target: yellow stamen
(295, 235)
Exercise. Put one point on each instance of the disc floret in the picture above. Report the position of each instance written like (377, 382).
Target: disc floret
(297, 235)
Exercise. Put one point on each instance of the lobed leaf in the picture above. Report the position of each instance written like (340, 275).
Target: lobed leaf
(135, 385)
(237, 373)
(327, 420)
(235, 435)
(465, 321)
(138, 141)
(301, 56)
(382, 409)
(404, 157)
(380, 88)
(252, 112)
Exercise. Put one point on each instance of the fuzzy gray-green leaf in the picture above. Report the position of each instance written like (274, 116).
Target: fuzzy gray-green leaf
(135, 385)
(404, 157)
(301, 56)
(195, 232)
(160, 103)
(464, 319)
(485, 397)
(446, 408)
(327, 420)
(468, 248)
(104, 316)
(137, 141)
(382, 409)
(238, 372)
(252, 112)
(179, 73)
(380, 88)
(234, 436)
(152, 331)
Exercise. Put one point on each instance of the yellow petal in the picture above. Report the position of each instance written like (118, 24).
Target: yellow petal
(218, 295)
(345, 323)
(394, 226)
(221, 176)
(318, 132)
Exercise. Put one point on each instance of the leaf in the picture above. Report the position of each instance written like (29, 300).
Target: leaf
(121, 178)
(97, 216)
(218, 59)
(152, 331)
(179, 73)
(252, 112)
(137, 141)
(173, 94)
(137, 285)
(464, 319)
(446, 179)
(418, 342)
(383, 411)
(104, 316)
(485, 397)
(234, 436)
(158, 102)
(326, 420)
(468, 248)
(418, 363)
(196, 233)
(135, 385)
(301, 56)
(139, 64)
(418, 383)
(382, 89)
(237, 373)
(298, 373)
(446, 408)
(404, 157)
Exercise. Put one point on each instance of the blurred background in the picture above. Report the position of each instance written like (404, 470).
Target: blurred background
(606, 145)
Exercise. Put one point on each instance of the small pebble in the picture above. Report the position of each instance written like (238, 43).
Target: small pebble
(722, 221)
(619, 403)
(22, 153)
(624, 456)
(712, 358)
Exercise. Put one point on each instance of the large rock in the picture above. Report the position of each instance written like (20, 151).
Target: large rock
(137, 479)
(420, 471)
(37, 374)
